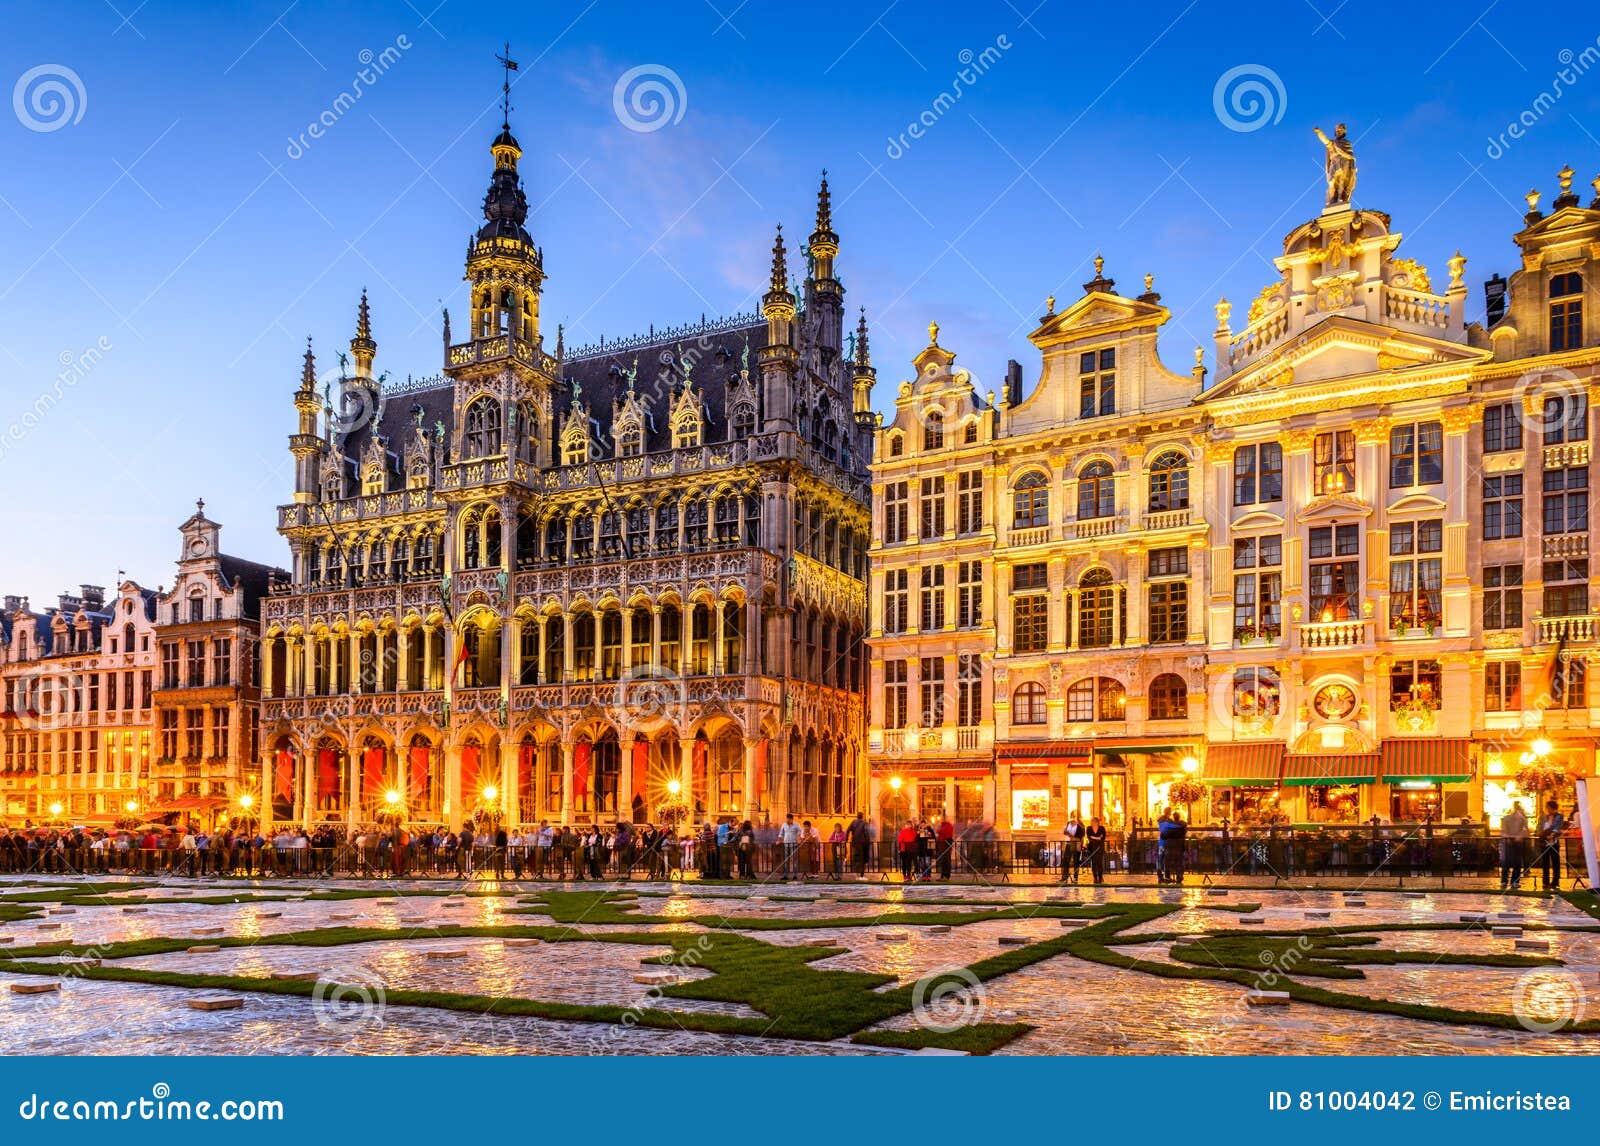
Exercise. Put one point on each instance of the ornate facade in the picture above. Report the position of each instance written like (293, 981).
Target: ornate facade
(1350, 577)
(577, 586)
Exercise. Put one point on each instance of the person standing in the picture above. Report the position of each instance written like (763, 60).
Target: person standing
(1551, 828)
(1072, 847)
(1513, 846)
(1095, 848)
(1163, 846)
(906, 841)
(860, 841)
(946, 837)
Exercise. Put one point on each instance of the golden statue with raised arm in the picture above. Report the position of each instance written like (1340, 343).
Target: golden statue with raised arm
(1341, 165)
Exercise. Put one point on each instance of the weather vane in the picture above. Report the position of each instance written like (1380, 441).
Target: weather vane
(510, 66)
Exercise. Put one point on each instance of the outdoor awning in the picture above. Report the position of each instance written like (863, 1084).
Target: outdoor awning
(1244, 765)
(194, 804)
(1427, 760)
(1331, 768)
(1104, 749)
(1046, 751)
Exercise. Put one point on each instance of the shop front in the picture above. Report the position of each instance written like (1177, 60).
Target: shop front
(1429, 780)
(1544, 769)
(933, 792)
(1329, 788)
(1245, 782)
(1042, 785)
(1153, 774)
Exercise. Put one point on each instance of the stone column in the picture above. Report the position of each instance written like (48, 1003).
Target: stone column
(751, 751)
(544, 637)
(568, 750)
(426, 682)
(402, 668)
(566, 645)
(625, 782)
(511, 781)
(452, 785)
(267, 682)
(655, 628)
(718, 652)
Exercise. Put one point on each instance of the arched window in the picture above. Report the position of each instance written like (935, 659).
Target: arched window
(1030, 503)
(1028, 704)
(482, 428)
(933, 431)
(969, 433)
(1113, 699)
(897, 445)
(1080, 700)
(1169, 482)
(1169, 697)
(1097, 491)
(743, 421)
(1097, 604)
(574, 450)
(686, 432)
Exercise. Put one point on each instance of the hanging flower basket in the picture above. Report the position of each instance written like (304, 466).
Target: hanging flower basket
(1186, 792)
(674, 811)
(1540, 777)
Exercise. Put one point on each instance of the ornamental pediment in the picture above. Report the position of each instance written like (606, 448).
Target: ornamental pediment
(1417, 503)
(1097, 314)
(1333, 505)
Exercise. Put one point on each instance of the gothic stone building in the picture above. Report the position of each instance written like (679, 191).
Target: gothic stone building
(1350, 577)
(545, 586)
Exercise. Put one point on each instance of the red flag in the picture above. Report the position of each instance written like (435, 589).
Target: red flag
(419, 774)
(461, 656)
(372, 770)
(327, 777)
(283, 776)
(580, 769)
(527, 778)
(641, 766)
(469, 774)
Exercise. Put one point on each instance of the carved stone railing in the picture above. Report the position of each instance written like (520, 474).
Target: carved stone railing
(1416, 307)
(1037, 535)
(1098, 526)
(1168, 519)
(1334, 634)
(1258, 336)
(1570, 454)
(1555, 630)
(1566, 545)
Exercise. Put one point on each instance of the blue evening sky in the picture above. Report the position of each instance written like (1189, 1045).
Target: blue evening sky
(172, 224)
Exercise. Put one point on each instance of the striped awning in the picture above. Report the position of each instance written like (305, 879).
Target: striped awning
(1044, 751)
(1434, 761)
(1244, 765)
(1331, 768)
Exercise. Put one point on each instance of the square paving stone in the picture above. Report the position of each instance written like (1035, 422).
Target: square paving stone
(201, 949)
(34, 988)
(229, 1003)
(1267, 998)
(1533, 945)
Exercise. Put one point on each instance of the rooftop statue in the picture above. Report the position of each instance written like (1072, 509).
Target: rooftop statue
(1341, 165)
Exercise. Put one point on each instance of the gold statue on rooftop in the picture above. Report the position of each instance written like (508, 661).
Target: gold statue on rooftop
(1340, 166)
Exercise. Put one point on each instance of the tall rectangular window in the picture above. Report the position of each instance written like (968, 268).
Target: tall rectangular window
(1169, 595)
(1502, 597)
(221, 663)
(1502, 507)
(1335, 579)
(896, 600)
(1030, 608)
(1258, 474)
(1502, 428)
(1334, 461)
(169, 670)
(1566, 418)
(1097, 383)
(1502, 686)
(969, 594)
(1416, 455)
(969, 501)
(1566, 311)
(1566, 588)
(931, 504)
(896, 707)
(932, 599)
(1566, 500)
(896, 512)
(1257, 587)
(196, 677)
(969, 690)
(1415, 577)
(931, 686)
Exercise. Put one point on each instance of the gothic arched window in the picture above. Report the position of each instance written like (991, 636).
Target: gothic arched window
(744, 420)
(631, 442)
(482, 429)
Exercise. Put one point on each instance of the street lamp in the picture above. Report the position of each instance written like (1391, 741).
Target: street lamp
(1190, 765)
(247, 801)
(674, 786)
(131, 807)
(895, 783)
(391, 797)
(55, 808)
(490, 792)
(1542, 748)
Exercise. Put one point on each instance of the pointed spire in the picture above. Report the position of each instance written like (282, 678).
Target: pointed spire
(561, 341)
(308, 370)
(780, 273)
(863, 350)
(824, 205)
(362, 347)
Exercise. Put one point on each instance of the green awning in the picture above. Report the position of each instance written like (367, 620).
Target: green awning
(1426, 761)
(1140, 749)
(1332, 768)
(1244, 765)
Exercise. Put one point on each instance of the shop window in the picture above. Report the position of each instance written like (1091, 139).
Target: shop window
(1030, 802)
(1333, 804)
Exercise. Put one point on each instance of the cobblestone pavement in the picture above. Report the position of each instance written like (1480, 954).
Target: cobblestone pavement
(1072, 1004)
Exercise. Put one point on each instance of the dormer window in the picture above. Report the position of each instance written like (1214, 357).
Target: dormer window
(631, 442)
(969, 434)
(575, 451)
(897, 445)
(1097, 383)
(686, 429)
(1566, 311)
(744, 421)
(933, 431)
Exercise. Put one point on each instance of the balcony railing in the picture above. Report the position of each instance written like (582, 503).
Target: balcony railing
(1035, 536)
(1566, 545)
(1097, 527)
(1334, 634)
(1570, 454)
(1554, 630)
(1168, 519)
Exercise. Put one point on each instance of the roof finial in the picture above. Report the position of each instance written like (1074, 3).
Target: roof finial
(364, 318)
(1099, 265)
(308, 371)
(780, 275)
(200, 506)
(863, 351)
(933, 334)
(824, 205)
(510, 66)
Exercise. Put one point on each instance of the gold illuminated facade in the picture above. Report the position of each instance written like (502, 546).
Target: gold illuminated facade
(596, 584)
(1348, 576)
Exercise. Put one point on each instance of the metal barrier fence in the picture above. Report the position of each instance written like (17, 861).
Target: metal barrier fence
(1281, 854)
